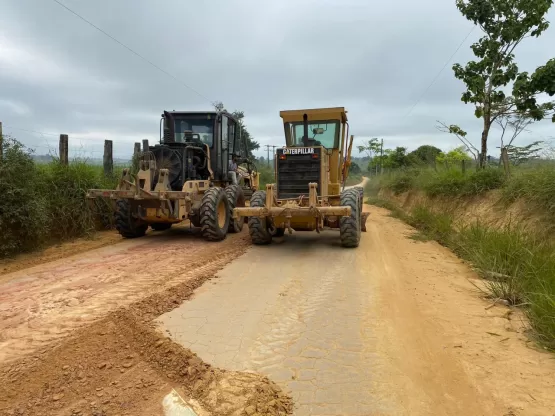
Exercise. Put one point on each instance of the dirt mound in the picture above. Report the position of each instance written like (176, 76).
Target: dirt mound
(121, 366)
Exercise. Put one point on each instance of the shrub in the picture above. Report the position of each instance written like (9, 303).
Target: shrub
(23, 212)
(484, 180)
(65, 188)
(400, 183)
(46, 203)
(456, 183)
(447, 183)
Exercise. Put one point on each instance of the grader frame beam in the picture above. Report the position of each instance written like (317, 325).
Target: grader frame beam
(291, 209)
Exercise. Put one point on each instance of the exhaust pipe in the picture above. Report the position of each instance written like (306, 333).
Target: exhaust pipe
(305, 125)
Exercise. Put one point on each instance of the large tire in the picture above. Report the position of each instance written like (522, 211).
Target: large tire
(258, 228)
(214, 214)
(349, 227)
(360, 190)
(126, 224)
(236, 198)
(161, 226)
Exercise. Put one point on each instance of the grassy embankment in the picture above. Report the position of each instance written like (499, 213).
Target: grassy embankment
(517, 262)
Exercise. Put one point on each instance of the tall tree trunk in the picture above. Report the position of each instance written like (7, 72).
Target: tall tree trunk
(485, 133)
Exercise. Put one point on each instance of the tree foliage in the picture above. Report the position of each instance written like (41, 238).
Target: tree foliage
(371, 147)
(425, 154)
(454, 156)
(522, 154)
(505, 23)
(391, 159)
(354, 168)
(252, 145)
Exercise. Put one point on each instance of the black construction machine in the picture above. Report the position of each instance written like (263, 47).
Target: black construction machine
(186, 177)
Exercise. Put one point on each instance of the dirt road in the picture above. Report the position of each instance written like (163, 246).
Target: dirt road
(40, 305)
(392, 328)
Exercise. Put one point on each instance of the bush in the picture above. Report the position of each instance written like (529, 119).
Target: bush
(484, 180)
(23, 212)
(448, 183)
(43, 204)
(400, 183)
(65, 188)
(456, 183)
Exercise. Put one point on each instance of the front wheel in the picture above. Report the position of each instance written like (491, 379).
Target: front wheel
(235, 198)
(258, 227)
(214, 214)
(349, 227)
(126, 223)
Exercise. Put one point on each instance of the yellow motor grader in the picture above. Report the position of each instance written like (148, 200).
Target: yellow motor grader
(186, 177)
(311, 171)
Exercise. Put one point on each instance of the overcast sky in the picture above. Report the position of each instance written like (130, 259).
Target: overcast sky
(376, 58)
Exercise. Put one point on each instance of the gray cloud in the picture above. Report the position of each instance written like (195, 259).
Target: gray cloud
(57, 74)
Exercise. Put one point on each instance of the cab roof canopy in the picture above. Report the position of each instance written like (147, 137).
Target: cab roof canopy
(315, 114)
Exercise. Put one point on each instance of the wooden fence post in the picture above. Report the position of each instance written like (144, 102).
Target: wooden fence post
(145, 145)
(137, 149)
(1, 144)
(108, 159)
(505, 158)
(64, 150)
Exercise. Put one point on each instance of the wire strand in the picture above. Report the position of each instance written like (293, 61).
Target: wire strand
(132, 51)
(440, 72)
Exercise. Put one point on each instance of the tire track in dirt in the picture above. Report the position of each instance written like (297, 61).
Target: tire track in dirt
(121, 365)
(43, 304)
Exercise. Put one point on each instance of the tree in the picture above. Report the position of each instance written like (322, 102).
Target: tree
(515, 123)
(521, 154)
(505, 23)
(252, 145)
(354, 168)
(424, 154)
(454, 156)
(461, 135)
(372, 147)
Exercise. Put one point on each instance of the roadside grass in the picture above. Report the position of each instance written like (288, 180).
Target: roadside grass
(517, 267)
(448, 183)
(43, 204)
(535, 185)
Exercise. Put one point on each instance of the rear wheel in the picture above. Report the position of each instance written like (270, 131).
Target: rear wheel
(160, 226)
(349, 227)
(258, 227)
(127, 225)
(235, 198)
(214, 214)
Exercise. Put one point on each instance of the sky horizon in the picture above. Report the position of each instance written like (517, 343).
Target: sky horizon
(382, 62)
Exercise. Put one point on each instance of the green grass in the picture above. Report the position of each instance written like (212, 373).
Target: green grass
(535, 185)
(517, 267)
(43, 204)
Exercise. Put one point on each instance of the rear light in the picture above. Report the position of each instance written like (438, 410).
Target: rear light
(315, 156)
(282, 157)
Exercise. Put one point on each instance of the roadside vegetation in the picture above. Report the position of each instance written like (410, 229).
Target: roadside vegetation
(518, 266)
(44, 203)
